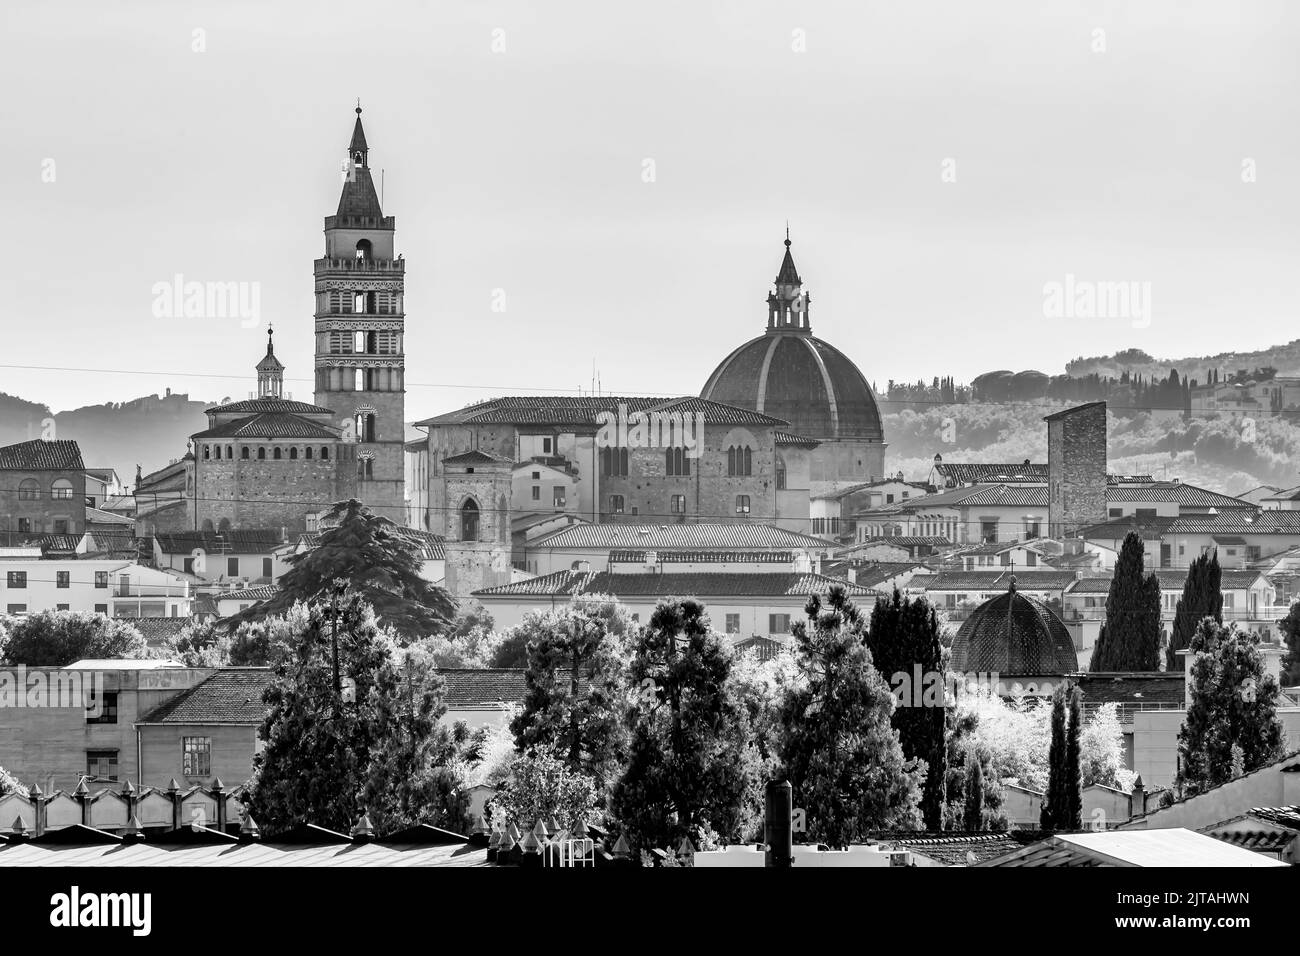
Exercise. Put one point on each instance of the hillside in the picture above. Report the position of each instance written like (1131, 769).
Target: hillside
(1284, 358)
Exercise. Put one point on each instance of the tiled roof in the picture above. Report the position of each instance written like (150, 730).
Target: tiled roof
(1091, 585)
(785, 438)
(1022, 496)
(694, 537)
(1187, 496)
(1173, 579)
(156, 630)
(233, 695)
(703, 584)
(1261, 841)
(263, 592)
(591, 411)
(257, 406)
(476, 456)
(40, 455)
(232, 542)
(704, 557)
(998, 580)
(967, 473)
(270, 425)
(1148, 527)
(1238, 521)
(873, 575)
(909, 541)
(482, 687)
(839, 493)
(97, 516)
(1287, 763)
(1133, 691)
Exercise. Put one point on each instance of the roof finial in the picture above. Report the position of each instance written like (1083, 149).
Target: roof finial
(787, 232)
(358, 106)
(270, 331)
(1012, 585)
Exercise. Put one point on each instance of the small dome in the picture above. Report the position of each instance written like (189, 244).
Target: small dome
(1012, 635)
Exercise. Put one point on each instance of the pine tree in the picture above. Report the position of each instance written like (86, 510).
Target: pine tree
(1201, 598)
(1233, 704)
(1130, 638)
(576, 690)
(838, 748)
(376, 560)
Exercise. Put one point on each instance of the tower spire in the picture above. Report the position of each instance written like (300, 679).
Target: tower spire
(359, 197)
(270, 371)
(787, 306)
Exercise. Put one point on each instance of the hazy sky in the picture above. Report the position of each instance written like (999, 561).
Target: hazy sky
(523, 170)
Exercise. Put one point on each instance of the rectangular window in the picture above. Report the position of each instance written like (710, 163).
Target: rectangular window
(616, 504)
(778, 623)
(989, 531)
(733, 623)
(546, 446)
(16, 609)
(1229, 600)
(63, 607)
(266, 568)
(742, 504)
(189, 565)
(60, 525)
(537, 492)
(679, 504)
(1116, 512)
(24, 525)
(101, 764)
(557, 496)
(101, 579)
(196, 756)
(101, 608)
(16, 579)
(889, 499)
(232, 567)
(62, 579)
(107, 709)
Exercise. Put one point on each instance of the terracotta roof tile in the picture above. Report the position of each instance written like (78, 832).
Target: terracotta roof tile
(40, 455)
(230, 696)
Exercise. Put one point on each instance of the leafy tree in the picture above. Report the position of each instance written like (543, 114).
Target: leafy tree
(1130, 638)
(1290, 626)
(377, 560)
(904, 642)
(576, 690)
(965, 753)
(327, 759)
(513, 649)
(58, 638)
(688, 771)
(9, 783)
(1233, 703)
(542, 784)
(253, 643)
(839, 750)
(1201, 598)
(1101, 746)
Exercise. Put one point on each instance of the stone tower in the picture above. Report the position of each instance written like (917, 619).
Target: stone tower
(476, 489)
(1076, 469)
(270, 371)
(360, 313)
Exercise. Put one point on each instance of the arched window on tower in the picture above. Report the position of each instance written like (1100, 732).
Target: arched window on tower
(363, 248)
(469, 520)
(243, 452)
(324, 453)
(261, 454)
(207, 452)
(277, 452)
(308, 452)
(780, 474)
(29, 490)
(230, 452)
(293, 454)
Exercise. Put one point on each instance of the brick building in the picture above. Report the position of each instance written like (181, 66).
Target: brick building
(42, 490)
(1076, 469)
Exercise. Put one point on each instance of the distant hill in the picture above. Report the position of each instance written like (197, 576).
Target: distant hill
(1284, 358)
(149, 431)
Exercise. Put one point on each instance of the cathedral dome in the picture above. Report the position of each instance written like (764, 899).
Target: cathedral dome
(791, 374)
(1012, 635)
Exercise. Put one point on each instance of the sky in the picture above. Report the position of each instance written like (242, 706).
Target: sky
(588, 185)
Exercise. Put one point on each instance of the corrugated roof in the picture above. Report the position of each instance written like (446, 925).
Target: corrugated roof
(41, 455)
(230, 696)
(695, 537)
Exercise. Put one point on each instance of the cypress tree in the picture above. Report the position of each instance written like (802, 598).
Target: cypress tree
(1049, 817)
(972, 820)
(1130, 638)
(1201, 598)
(1072, 793)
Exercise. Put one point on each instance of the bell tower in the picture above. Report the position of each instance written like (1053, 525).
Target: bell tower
(787, 305)
(360, 321)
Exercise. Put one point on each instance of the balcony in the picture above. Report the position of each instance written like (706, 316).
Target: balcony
(151, 591)
(361, 265)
